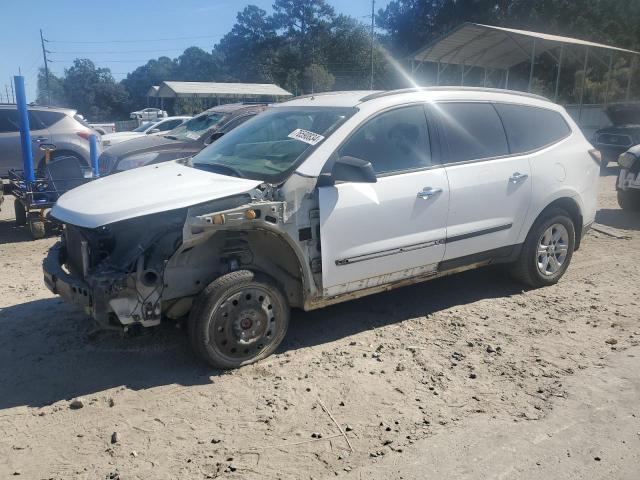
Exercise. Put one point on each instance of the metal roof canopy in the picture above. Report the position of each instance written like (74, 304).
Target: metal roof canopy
(490, 47)
(153, 91)
(219, 90)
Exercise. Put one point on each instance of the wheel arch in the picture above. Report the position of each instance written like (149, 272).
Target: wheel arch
(571, 206)
(274, 255)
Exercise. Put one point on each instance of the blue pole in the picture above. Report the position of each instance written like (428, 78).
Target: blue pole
(93, 153)
(25, 135)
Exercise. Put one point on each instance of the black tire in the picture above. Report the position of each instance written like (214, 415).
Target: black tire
(261, 316)
(20, 213)
(36, 227)
(57, 154)
(526, 269)
(629, 200)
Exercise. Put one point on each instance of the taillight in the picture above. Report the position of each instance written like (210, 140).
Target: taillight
(84, 135)
(596, 155)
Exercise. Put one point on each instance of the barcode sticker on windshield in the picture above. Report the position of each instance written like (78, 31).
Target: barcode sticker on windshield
(305, 136)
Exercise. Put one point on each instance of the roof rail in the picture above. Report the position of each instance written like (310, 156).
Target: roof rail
(452, 87)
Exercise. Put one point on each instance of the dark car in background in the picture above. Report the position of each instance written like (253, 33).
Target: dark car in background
(61, 127)
(621, 135)
(183, 141)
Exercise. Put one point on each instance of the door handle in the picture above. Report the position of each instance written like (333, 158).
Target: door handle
(427, 192)
(41, 139)
(518, 177)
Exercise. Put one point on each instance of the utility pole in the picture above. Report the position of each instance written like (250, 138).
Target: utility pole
(373, 6)
(46, 66)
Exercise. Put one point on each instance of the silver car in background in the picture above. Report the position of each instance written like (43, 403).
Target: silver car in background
(61, 127)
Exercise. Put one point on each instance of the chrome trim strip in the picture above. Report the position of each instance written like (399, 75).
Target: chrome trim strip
(486, 231)
(385, 253)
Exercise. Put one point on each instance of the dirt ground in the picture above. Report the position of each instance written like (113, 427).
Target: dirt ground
(463, 377)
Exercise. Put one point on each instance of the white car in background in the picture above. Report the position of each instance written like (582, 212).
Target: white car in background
(148, 114)
(151, 128)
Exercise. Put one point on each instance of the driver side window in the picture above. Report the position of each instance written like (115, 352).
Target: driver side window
(393, 141)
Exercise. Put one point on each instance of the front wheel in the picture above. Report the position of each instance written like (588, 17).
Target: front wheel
(547, 251)
(629, 200)
(238, 319)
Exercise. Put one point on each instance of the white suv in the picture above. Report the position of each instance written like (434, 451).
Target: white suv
(323, 199)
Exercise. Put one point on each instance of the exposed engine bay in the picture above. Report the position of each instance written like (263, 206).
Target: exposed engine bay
(142, 269)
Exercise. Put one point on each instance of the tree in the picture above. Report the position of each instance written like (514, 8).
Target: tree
(56, 85)
(93, 91)
(250, 48)
(318, 79)
(138, 82)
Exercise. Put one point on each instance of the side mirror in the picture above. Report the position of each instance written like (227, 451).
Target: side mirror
(153, 130)
(351, 169)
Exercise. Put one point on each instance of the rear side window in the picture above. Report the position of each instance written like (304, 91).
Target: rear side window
(531, 128)
(9, 121)
(48, 118)
(471, 131)
(396, 140)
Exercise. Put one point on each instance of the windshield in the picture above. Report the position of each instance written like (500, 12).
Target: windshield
(196, 127)
(144, 127)
(270, 145)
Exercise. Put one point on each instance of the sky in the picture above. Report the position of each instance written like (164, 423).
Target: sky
(119, 34)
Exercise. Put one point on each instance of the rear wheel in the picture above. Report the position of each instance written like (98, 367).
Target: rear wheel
(20, 212)
(238, 319)
(547, 251)
(629, 200)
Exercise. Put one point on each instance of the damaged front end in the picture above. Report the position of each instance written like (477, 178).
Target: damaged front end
(116, 271)
(139, 270)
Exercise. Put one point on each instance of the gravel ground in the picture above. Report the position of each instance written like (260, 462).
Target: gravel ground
(432, 378)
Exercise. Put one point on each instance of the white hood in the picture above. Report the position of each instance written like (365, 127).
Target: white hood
(143, 191)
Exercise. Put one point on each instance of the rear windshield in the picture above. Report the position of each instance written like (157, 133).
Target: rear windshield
(197, 126)
(271, 144)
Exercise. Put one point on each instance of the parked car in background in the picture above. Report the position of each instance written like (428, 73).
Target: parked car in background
(61, 127)
(151, 128)
(628, 184)
(325, 199)
(148, 114)
(183, 141)
(621, 135)
(103, 128)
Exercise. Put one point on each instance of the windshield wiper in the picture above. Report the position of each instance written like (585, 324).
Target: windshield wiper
(224, 169)
(170, 137)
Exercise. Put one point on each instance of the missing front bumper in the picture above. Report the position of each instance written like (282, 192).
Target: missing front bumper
(72, 289)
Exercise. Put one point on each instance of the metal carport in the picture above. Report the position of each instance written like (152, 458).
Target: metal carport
(472, 45)
(238, 91)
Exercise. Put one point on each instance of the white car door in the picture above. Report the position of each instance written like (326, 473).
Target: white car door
(375, 233)
(490, 189)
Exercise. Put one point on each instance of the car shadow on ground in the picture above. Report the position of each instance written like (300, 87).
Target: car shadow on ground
(618, 218)
(12, 233)
(51, 352)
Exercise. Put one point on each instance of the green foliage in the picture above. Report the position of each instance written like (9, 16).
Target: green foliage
(56, 86)
(304, 46)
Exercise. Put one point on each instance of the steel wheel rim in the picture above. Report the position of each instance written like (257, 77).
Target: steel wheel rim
(244, 323)
(553, 248)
